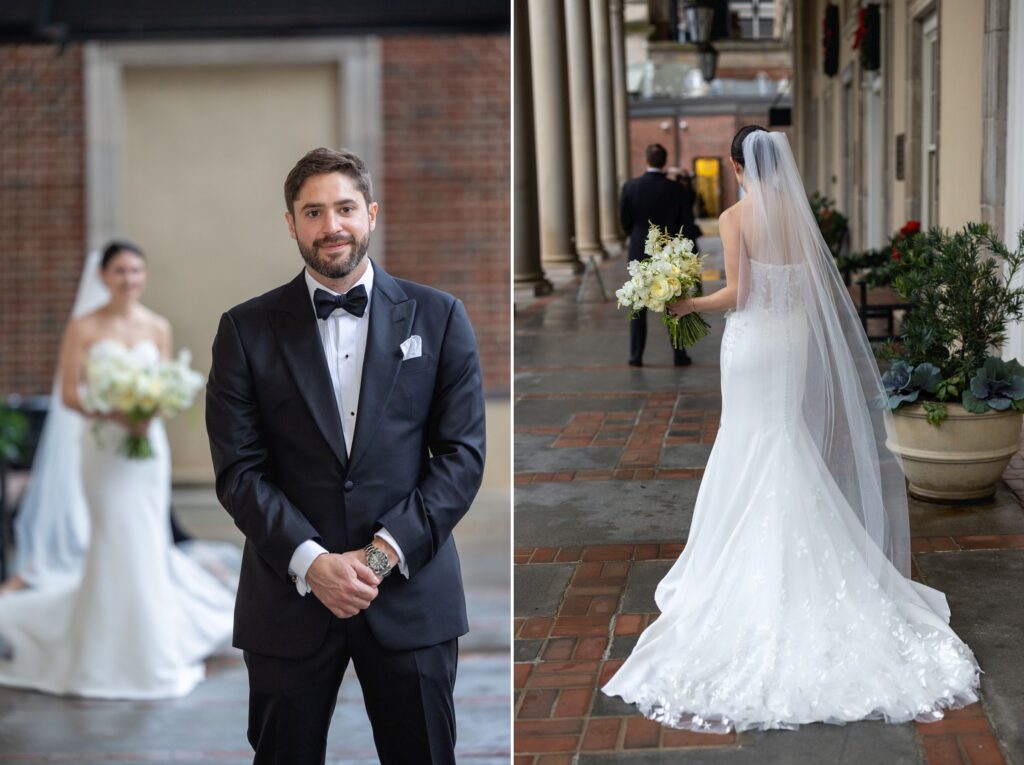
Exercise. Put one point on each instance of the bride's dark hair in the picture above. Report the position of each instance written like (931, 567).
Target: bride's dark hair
(116, 246)
(737, 142)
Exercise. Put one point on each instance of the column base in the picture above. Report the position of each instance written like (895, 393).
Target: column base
(536, 287)
(561, 267)
(591, 249)
(614, 247)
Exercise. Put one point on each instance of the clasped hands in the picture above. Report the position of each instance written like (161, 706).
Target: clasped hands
(343, 582)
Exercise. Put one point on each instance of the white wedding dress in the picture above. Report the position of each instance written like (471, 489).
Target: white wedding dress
(774, 615)
(141, 618)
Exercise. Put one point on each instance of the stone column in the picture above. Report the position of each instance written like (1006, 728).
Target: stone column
(619, 93)
(526, 226)
(604, 118)
(551, 125)
(581, 122)
(806, 43)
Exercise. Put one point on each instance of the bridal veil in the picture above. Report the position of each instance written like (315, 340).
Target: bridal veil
(843, 393)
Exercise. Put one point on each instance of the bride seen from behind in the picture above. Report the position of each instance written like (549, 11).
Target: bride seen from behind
(792, 601)
(142, 615)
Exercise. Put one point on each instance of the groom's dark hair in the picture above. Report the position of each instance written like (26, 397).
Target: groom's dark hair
(322, 161)
(656, 155)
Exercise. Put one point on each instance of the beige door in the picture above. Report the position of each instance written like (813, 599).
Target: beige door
(205, 153)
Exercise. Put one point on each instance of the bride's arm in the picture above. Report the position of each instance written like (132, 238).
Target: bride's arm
(725, 298)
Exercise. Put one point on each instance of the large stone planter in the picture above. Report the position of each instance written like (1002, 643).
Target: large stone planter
(960, 460)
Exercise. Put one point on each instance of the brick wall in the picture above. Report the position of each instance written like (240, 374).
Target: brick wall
(42, 208)
(446, 186)
(705, 136)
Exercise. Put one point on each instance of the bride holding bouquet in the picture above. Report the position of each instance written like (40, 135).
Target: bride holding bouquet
(142, 616)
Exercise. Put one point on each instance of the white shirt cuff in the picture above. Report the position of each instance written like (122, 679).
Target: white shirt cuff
(402, 568)
(302, 559)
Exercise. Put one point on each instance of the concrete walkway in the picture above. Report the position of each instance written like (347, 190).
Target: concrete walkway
(608, 460)
(208, 726)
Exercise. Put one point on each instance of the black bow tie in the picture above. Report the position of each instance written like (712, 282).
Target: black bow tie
(353, 301)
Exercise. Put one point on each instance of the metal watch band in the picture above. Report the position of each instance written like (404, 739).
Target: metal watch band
(377, 560)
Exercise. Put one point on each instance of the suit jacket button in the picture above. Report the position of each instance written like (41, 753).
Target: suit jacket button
(349, 486)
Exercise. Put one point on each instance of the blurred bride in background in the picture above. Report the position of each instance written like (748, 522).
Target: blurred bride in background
(112, 608)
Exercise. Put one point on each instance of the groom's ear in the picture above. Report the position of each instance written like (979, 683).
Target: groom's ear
(290, 219)
(371, 210)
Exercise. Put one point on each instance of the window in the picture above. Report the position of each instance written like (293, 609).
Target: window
(753, 19)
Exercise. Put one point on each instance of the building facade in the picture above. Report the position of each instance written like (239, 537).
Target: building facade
(183, 145)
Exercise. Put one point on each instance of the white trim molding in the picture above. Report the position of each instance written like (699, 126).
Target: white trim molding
(359, 118)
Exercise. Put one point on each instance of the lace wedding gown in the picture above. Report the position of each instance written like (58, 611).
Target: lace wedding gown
(772, 616)
(143, 615)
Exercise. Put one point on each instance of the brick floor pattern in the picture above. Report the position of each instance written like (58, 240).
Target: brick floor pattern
(643, 434)
(556, 690)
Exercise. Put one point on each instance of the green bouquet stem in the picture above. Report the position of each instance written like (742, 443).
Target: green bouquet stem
(137, 448)
(685, 331)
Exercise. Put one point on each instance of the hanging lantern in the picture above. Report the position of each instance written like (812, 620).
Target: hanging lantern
(708, 58)
(830, 40)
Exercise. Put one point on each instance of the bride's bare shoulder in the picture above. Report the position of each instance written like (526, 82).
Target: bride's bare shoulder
(731, 214)
(729, 220)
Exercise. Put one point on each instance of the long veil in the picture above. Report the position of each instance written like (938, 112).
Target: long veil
(843, 391)
(52, 526)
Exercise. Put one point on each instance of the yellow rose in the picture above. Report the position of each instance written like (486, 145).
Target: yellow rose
(660, 289)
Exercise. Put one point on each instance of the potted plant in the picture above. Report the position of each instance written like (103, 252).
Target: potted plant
(956, 405)
(13, 429)
(833, 224)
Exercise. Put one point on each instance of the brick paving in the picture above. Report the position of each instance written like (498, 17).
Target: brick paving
(591, 434)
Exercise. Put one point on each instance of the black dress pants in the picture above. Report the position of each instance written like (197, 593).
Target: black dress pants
(638, 339)
(408, 696)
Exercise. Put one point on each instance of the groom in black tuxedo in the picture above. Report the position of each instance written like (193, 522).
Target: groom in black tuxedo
(346, 422)
(651, 198)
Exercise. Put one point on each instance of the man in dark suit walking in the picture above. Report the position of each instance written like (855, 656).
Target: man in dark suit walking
(346, 421)
(651, 198)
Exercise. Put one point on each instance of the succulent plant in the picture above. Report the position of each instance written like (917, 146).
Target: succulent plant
(904, 383)
(997, 385)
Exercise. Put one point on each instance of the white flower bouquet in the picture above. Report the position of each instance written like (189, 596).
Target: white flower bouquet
(671, 270)
(116, 381)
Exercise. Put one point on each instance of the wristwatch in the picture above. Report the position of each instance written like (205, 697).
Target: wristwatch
(377, 560)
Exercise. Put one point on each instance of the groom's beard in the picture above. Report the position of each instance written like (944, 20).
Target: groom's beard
(336, 269)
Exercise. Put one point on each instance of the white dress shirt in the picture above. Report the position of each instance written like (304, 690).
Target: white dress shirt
(344, 339)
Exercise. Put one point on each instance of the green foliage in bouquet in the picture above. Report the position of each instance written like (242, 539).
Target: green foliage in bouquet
(833, 224)
(960, 303)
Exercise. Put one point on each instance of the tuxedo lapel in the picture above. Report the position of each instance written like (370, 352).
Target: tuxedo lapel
(295, 326)
(391, 316)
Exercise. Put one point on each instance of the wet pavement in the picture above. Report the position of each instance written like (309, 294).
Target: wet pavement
(608, 460)
(208, 726)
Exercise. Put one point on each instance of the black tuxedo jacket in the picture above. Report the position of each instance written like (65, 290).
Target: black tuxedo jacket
(650, 198)
(283, 474)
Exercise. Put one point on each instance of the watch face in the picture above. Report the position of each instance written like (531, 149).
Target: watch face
(376, 560)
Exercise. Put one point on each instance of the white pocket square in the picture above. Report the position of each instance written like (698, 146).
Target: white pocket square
(412, 348)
